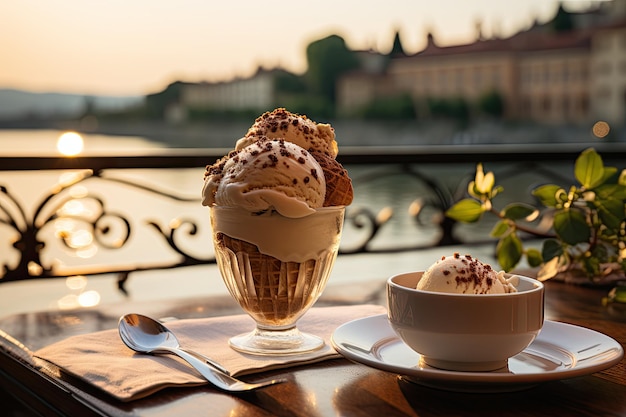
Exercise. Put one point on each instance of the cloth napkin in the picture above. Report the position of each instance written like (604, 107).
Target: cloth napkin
(102, 360)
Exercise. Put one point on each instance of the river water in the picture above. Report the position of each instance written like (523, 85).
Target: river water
(377, 188)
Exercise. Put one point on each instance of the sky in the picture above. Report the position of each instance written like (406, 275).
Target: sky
(137, 47)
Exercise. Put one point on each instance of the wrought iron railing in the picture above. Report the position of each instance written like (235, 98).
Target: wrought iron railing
(111, 229)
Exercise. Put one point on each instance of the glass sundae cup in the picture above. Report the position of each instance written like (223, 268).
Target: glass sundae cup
(276, 267)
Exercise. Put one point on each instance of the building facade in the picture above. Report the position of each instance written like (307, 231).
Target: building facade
(576, 76)
(608, 73)
(256, 92)
(541, 75)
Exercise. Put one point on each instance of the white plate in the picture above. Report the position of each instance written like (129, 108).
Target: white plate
(560, 351)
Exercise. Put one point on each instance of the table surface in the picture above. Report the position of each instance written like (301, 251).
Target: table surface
(335, 387)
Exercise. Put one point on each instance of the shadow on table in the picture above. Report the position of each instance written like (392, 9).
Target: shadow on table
(566, 398)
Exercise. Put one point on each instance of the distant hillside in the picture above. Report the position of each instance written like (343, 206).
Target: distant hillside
(18, 103)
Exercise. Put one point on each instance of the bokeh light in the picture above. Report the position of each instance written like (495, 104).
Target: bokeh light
(68, 178)
(89, 298)
(78, 297)
(601, 129)
(77, 282)
(70, 144)
(73, 208)
(80, 239)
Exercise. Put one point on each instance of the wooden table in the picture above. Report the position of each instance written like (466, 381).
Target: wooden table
(336, 387)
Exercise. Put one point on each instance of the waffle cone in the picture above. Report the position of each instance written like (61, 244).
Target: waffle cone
(270, 290)
(339, 191)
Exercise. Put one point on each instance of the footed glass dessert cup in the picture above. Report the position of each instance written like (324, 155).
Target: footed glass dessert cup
(276, 267)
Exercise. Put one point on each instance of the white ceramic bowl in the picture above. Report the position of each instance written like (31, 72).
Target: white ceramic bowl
(464, 332)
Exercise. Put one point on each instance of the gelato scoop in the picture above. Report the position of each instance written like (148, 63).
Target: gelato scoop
(268, 174)
(294, 128)
(464, 275)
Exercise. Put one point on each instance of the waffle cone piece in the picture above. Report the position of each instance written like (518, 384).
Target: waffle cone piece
(339, 191)
(270, 290)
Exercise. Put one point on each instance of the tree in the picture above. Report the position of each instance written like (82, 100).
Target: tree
(491, 104)
(400, 107)
(563, 21)
(449, 108)
(287, 82)
(328, 58)
(89, 107)
(397, 49)
(157, 103)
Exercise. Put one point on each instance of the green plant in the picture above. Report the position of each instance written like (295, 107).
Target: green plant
(587, 221)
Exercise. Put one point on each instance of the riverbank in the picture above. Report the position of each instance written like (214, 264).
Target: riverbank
(222, 133)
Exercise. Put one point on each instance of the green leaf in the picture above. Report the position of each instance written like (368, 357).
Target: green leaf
(496, 190)
(509, 251)
(551, 249)
(591, 266)
(571, 227)
(611, 213)
(547, 194)
(466, 210)
(516, 211)
(615, 191)
(608, 173)
(601, 253)
(499, 229)
(589, 169)
(534, 257)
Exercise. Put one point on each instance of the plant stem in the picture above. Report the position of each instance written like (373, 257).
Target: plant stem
(521, 227)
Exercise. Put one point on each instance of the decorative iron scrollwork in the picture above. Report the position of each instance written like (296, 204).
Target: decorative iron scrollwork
(80, 219)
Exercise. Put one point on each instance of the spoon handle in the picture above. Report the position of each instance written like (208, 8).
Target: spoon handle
(213, 375)
(208, 360)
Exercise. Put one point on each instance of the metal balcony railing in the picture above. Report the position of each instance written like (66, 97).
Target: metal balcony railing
(31, 229)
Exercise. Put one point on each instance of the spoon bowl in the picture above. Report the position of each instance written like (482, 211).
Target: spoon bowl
(146, 335)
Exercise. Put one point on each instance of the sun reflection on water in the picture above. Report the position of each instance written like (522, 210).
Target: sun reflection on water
(78, 297)
(70, 144)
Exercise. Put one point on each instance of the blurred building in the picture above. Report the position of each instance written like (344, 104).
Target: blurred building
(571, 69)
(541, 74)
(608, 69)
(256, 92)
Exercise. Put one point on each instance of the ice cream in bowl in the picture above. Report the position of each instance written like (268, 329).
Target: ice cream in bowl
(277, 204)
(462, 315)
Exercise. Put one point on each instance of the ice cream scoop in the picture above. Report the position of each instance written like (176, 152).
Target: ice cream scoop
(294, 128)
(463, 274)
(268, 174)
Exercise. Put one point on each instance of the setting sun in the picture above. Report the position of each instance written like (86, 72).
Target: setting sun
(70, 144)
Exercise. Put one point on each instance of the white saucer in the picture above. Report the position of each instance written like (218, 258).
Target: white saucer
(560, 351)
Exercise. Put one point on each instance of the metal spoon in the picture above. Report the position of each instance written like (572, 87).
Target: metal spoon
(146, 335)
